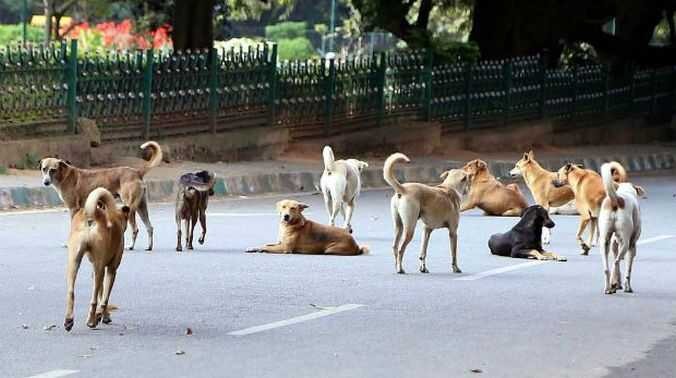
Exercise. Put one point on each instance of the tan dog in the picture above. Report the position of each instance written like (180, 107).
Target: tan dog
(489, 194)
(192, 200)
(74, 185)
(589, 194)
(539, 182)
(437, 207)
(97, 231)
(300, 235)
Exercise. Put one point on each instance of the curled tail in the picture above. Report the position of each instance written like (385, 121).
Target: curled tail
(329, 158)
(608, 171)
(94, 211)
(389, 176)
(155, 156)
(618, 173)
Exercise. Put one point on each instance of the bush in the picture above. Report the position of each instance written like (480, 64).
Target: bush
(13, 33)
(286, 30)
(296, 48)
(457, 51)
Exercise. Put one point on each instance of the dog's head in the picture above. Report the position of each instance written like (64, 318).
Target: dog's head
(53, 170)
(523, 163)
(640, 191)
(291, 211)
(537, 216)
(360, 165)
(562, 174)
(458, 180)
(475, 167)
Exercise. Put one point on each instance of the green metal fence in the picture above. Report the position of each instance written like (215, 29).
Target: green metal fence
(144, 94)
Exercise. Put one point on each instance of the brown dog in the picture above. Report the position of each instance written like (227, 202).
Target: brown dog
(589, 194)
(300, 235)
(489, 194)
(74, 185)
(97, 231)
(191, 204)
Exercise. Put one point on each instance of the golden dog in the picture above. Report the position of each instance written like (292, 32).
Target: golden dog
(589, 194)
(303, 236)
(74, 185)
(489, 194)
(97, 231)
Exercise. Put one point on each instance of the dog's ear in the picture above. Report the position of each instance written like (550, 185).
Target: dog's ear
(363, 165)
(481, 164)
(63, 164)
(639, 190)
(278, 206)
(531, 155)
(302, 206)
(40, 164)
(443, 175)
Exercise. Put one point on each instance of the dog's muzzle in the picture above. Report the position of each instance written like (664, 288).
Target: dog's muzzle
(550, 224)
(515, 173)
(557, 183)
(286, 217)
(47, 182)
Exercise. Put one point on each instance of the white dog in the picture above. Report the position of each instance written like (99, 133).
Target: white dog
(619, 226)
(340, 184)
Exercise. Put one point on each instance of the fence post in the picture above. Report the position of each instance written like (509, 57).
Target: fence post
(71, 81)
(147, 93)
(380, 82)
(543, 85)
(329, 90)
(427, 77)
(507, 76)
(213, 87)
(272, 79)
(468, 91)
(606, 89)
(574, 95)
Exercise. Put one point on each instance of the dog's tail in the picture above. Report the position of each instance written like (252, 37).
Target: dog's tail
(329, 158)
(155, 156)
(364, 250)
(618, 173)
(389, 176)
(608, 172)
(94, 211)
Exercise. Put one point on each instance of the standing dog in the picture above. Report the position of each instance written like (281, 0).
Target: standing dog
(619, 225)
(340, 184)
(300, 235)
(437, 206)
(489, 194)
(524, 240)
(74, 185)
(97, 231)
(192, 199)
(589, 193)
(539, 181)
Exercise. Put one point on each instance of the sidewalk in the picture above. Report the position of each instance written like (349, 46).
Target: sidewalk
(299, 171)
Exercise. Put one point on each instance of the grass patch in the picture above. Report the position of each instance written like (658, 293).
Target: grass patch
(3, 170)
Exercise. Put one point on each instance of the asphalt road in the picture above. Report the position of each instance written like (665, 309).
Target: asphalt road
(504, 317)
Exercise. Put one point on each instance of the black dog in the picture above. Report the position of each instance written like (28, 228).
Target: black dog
(525, 239)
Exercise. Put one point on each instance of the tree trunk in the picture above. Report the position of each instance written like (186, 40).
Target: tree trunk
(193, 25)
(48, 11)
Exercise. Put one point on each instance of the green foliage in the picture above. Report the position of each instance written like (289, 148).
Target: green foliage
(29, 161)
(295, 48)
(456, 51)
(3, 170)
(13, 33)
(286, 30)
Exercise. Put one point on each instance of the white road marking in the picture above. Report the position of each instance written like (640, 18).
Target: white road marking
(298, 319)
(655, 239)
(504, 269)
(55, 374)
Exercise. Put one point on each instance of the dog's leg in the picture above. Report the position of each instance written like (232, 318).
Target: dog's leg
(530, 253)
(580, 229)
(630, 264)
(203, 225)
(453, 239)
(74, 260)
(546, 235)
(186, 223)
(145, 218)
(348, 215)
(554, 256)
(272, 248)
(335, 208)
(107, 289)
(593, 232)
(134, 229)
(398, 230)
(409, 218)
(423, 249)
(467, 206)
(93, 319)
(605, 250)
(512, 212)
(179, 244)
(193, 223)
(620, 248)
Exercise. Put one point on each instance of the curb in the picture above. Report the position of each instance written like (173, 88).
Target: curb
(297, 182)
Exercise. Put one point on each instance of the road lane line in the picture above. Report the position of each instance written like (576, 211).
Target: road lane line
(655, 239)
(55, 374)
(298, 319)
(504, 269)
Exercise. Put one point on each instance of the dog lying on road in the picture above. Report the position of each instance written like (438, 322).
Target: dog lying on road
(74, 185)
(539, 181)
(192, 199)
(437, 207)
(489, 194)
(97, 231)
(340, 184)
(300, 235)
(619, 226)
(589, 194)
(524, 240)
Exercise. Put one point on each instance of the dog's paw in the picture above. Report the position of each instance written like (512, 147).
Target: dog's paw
(179, 249)
(628, 289)
(424, 270)
(253, 250)
(609, 291)
(455, 269)
(68, 324)
(401, 271)
(106, 319)
(562, 259)
(201, 240)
